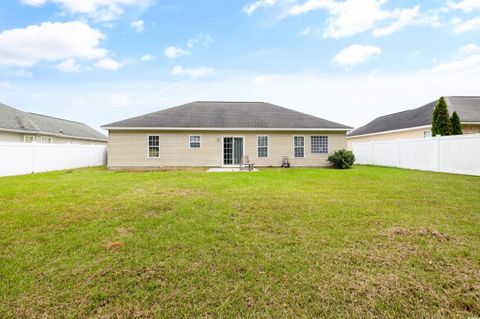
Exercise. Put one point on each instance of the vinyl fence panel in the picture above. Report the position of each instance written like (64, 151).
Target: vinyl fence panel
(450, 154)
(26, 158)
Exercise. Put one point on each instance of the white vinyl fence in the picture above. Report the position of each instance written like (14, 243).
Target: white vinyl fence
(450, 154)
(26, 158)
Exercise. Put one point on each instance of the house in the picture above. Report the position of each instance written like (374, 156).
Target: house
(417, 123)
(220, 133)
(24, 127)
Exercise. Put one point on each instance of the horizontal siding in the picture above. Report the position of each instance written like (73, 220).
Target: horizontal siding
(129, 148)
(11, 137)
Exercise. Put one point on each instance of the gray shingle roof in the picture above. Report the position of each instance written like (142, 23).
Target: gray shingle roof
(228, 115)
(467, 107)
(14, 119)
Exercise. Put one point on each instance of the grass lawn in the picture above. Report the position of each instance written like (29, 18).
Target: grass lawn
(366, 242)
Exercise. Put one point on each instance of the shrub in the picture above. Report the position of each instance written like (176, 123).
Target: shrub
(456, 124)
(342, 159)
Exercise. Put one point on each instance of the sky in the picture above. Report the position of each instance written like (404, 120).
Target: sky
(349, 61)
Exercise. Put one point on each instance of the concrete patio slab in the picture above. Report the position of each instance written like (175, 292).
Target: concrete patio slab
(229, 170)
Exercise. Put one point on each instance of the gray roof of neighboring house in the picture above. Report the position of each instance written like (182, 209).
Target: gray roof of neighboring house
(228, 115)
(467, 107)
(14, 119)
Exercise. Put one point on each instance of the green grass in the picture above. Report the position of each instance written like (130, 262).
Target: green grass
(366, 242)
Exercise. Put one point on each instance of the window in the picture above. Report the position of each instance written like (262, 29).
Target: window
(262, 146)
(299, 146)
(319, 144)
(154, 146)
(194, 141)
(29, 139)
(427, 134)
(46, 140)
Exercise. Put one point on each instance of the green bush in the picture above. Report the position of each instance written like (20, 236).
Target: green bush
(342, 159)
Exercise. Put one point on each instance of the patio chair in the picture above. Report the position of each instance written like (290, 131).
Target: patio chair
(245, 164)
(285, 162)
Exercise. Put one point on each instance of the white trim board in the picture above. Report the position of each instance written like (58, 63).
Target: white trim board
(53, 134)
(405, 130)
(224, 129)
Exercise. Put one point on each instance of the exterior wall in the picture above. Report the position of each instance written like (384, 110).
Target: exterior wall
(11, 137)
(416, 133)
(19, 138)
(128, 149)
(471, 129)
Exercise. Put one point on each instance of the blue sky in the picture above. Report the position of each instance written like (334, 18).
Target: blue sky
(99, 61)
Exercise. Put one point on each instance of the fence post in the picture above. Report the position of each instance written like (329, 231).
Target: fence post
(399, 153)
(436, 153)
(34, 150)
(373, 152)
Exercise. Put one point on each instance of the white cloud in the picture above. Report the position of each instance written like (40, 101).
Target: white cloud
(108, 64)
(468, 64)
(6, 85)
(311, 31)
(350, 17)
(119, 100)
(378, 92)
(35, 3)
(203, 40)
(356, 54)
(404, 18)
(191, 72)
(69, 65)
(465, 5)
(49, 42)
(147, 57)
(138, 25)
(101, 10)
(469, 49)
(461, 26)
(20, 73)
(173, 52)
(253, 6)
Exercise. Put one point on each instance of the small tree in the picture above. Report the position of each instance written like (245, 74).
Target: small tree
(441, 124)
(456, 125)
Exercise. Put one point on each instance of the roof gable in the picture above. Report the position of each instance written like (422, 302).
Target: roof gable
(468, 109)
(205, 114)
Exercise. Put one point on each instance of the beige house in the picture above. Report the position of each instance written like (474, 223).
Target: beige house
(23, 127)
(220, 134)
(417, 123)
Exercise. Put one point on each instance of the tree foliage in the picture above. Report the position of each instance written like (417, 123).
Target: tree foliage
(441, 123)
(456, 124)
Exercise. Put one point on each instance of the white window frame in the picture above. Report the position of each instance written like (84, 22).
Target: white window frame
(268, 146)
(148, 146)
(25, 139)
(294, 147)
(49, 138)
(311, 145)
(427, 134)
(190, 142)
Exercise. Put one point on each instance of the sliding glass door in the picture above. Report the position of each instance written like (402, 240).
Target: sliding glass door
(232, 150)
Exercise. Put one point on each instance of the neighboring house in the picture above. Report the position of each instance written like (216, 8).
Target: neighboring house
(24, 127)
(220, 133)
(417, 123)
